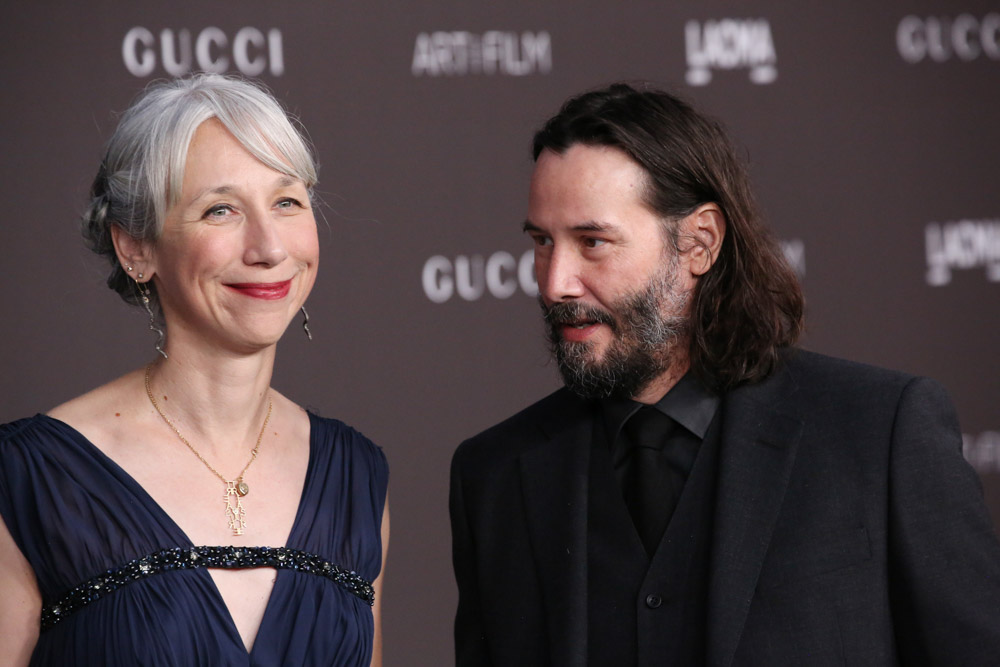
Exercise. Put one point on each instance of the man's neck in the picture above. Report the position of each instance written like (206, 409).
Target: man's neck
(660, 385)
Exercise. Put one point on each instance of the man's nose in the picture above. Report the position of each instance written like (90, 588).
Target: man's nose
(559, 276)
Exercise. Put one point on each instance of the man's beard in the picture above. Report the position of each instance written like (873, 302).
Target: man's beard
(646, 327)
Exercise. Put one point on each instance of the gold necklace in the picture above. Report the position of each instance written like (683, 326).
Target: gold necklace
(235, 489)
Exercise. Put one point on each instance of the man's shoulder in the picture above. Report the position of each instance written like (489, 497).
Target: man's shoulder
(809, 379)
(525, 429)
(806, 366)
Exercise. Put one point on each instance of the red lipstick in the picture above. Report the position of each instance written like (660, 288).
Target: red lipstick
(266, 291)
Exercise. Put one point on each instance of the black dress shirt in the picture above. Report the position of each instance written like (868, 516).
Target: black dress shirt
(652, 479)
(646, 593)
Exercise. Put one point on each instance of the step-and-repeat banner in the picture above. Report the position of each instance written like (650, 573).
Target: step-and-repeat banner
(871, 130)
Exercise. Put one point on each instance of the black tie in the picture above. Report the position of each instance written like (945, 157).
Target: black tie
(649, 484)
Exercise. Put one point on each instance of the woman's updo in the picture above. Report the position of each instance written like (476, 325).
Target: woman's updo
(141, 174)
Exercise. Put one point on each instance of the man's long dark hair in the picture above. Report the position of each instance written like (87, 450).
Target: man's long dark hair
(749, 305)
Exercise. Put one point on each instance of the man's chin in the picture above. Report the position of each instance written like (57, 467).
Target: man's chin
(591, 386)
(586, 378)
(591, 374)
(578, 358)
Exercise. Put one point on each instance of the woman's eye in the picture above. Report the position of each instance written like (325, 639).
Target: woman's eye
(289, 203)
(219, 211)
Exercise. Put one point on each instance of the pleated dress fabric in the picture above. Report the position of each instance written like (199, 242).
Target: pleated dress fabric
(75, 514)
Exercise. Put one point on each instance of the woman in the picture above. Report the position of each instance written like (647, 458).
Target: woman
(188, 513)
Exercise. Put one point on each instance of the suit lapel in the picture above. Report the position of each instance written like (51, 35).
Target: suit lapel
(761, 430)
(554, 478)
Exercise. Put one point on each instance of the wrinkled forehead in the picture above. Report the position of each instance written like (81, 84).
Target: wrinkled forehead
(214, 139)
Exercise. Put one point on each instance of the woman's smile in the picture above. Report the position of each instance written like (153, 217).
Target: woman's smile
(265, 291)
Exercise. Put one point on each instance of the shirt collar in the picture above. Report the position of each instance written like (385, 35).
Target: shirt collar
(688, 403)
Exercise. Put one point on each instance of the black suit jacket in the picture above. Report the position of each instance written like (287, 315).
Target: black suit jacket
(848, 529)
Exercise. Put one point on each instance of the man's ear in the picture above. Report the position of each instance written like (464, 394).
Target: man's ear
(135, 255)
(705, 228)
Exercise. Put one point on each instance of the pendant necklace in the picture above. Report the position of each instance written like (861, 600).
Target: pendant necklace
(236, 488)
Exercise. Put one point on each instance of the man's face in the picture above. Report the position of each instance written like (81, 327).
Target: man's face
(615, 295)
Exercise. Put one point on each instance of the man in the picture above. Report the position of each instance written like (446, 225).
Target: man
(701, 492)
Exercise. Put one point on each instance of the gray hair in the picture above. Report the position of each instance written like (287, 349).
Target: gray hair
(142, 171)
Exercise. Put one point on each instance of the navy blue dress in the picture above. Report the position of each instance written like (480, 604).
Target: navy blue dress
(122, 584)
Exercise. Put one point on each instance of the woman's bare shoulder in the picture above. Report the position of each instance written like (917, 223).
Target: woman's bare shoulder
(102, 412)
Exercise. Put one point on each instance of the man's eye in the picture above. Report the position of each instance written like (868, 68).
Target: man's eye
(591, 242)
(542, 240)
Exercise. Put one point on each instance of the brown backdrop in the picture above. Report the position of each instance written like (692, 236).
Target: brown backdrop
(871, 129)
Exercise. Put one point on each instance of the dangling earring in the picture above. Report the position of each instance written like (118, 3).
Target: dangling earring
(160, 336)
(305, 323)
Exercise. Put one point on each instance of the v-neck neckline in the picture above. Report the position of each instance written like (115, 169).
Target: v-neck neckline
(179, 535)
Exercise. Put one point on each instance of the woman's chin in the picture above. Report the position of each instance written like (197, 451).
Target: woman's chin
(248, 343)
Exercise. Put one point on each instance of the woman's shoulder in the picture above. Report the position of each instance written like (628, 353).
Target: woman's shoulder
(334, 434)
(36, 440)
(32, 449)
(96, 419)
(91, 413)
(21, 431)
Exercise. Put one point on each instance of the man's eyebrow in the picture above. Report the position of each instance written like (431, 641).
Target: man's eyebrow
(589, 226)
(593, 226)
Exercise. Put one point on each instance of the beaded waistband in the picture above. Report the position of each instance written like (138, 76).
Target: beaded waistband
(189, 558)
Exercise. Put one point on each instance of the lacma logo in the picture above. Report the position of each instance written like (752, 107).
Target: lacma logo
(962, 245)
(250, 51)
(730, 44)
(459, 53)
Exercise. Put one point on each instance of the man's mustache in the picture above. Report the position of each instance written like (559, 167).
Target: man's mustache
(572, 312)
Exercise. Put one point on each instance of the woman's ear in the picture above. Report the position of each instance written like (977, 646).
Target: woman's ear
(135, 255)
(706, 227)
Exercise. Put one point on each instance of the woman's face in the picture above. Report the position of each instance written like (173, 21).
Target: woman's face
(239, 251)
